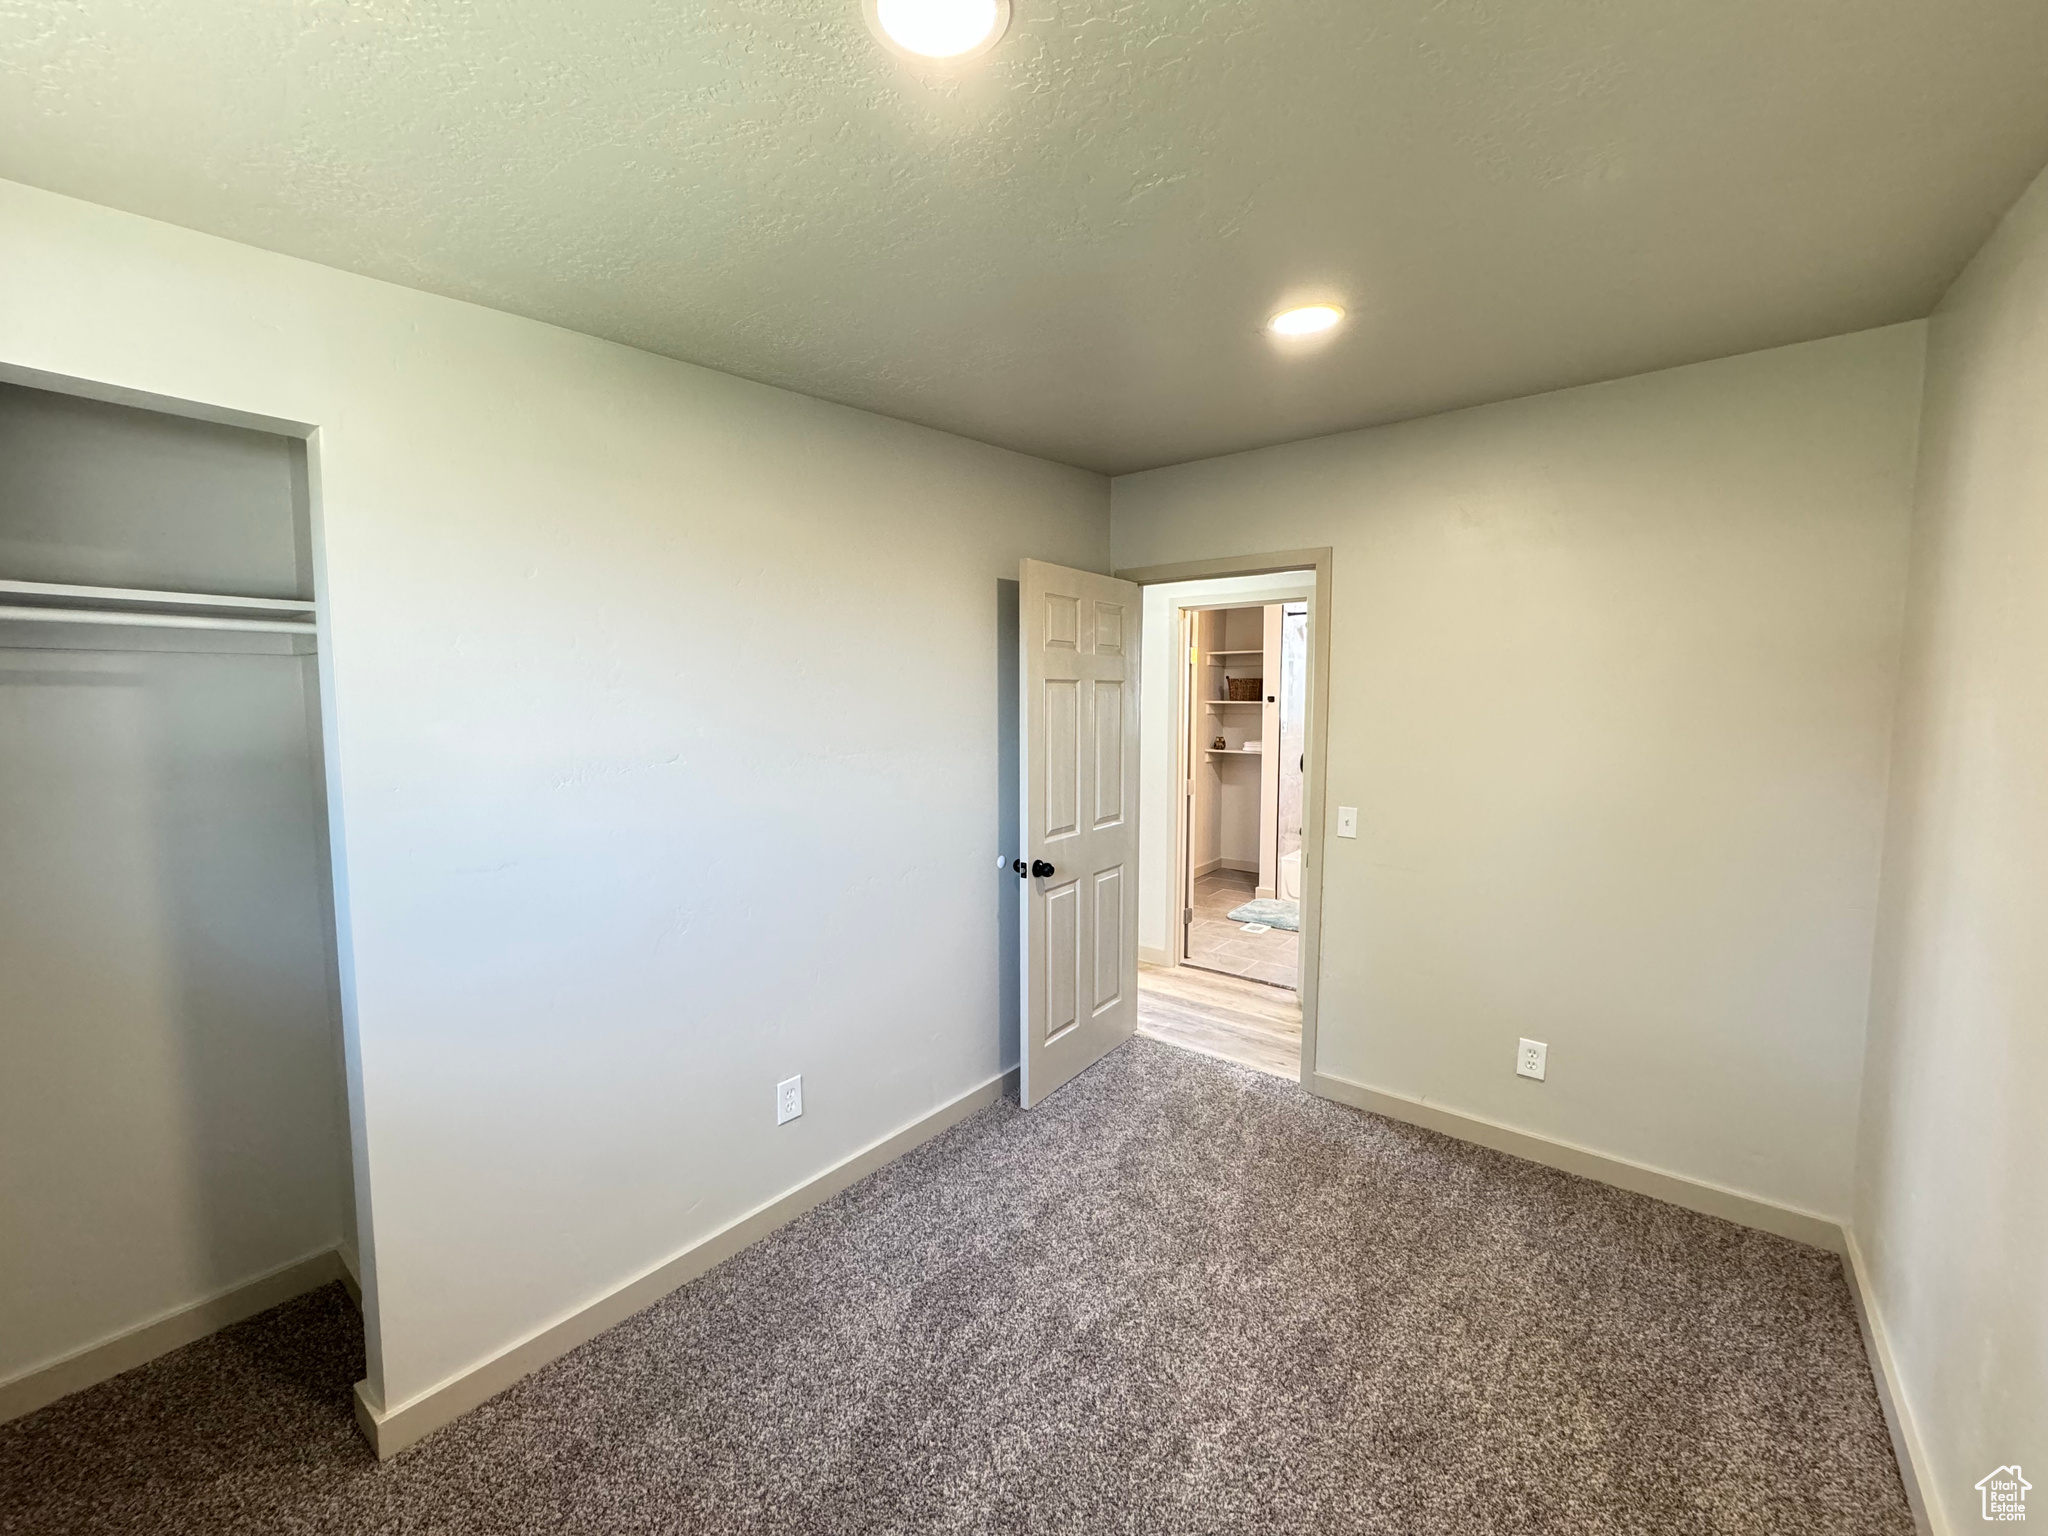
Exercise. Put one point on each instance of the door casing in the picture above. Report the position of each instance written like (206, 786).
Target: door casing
(1315, 744)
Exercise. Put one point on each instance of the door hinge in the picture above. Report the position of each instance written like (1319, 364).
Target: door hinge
(1187, 914)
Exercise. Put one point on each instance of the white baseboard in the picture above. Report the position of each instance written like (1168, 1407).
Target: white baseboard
(1673, 1188)
(1147, 955)
(1239, 866)
(1207, 867)
(1908, 1448)
(391, 1430)
(351, 1273)
(44, 1384)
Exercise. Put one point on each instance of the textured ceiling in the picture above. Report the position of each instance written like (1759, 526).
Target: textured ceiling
(1070, 248)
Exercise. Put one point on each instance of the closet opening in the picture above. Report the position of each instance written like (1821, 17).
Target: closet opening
(1226, 754)
(173, 1121)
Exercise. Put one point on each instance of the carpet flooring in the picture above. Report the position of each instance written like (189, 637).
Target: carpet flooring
(1181, 1297)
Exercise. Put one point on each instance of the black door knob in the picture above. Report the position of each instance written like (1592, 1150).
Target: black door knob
(1021, 867)
(1040, 868)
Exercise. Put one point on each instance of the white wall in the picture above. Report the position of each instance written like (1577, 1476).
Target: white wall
(1158, 902)
(1611, 684)
(1237, 805)
(1952, 1177)
(599, 900)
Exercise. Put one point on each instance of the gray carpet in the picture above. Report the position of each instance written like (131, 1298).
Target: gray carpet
(1182, 1297)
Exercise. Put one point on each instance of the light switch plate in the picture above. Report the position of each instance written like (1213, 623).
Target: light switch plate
(789, 1099)
(1347, 821)
(1530, 1059)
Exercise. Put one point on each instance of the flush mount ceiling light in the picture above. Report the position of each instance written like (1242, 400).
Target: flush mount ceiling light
(942, 31)
(1308, 320)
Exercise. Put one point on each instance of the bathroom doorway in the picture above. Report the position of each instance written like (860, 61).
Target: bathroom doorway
(1243, 697)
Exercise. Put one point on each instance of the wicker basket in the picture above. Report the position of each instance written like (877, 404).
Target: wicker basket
(1246, 689)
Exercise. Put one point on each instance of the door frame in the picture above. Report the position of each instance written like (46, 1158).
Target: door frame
(1188, 729)
(1183, 717)
(1316, 745)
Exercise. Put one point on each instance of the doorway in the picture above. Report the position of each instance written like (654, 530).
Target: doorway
(1109, 664)
(1242, 758)
(1226, 866)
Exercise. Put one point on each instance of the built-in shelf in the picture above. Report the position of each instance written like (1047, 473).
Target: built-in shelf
(139, 597)
(1233, 751)
(52, 602)
(1259, 652)
(1240, 703)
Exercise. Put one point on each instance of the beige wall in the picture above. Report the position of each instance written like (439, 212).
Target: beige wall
(663, 730)
(1952, 1178)
(1611, 683)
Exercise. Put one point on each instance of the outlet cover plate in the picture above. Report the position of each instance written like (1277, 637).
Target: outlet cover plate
(1531, 1059)
(789, 1099)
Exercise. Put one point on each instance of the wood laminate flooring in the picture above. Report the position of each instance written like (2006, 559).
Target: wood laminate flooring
(1247, 1022)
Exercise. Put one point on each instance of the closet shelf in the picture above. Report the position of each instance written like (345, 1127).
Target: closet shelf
(137, 597)
(1233, 751)
(9, 613)
(51, 602)
(1240, 703)
(1258, 652)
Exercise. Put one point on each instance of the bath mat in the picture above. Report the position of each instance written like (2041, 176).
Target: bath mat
(1270, 910)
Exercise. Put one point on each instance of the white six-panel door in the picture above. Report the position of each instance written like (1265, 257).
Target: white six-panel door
(1079, 736)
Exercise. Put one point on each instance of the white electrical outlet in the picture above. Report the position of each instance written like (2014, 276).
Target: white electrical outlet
(1530, 1058)
(1347, 821)
(789, 1099)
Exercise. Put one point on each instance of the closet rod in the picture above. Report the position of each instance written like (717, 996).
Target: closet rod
(154, 620)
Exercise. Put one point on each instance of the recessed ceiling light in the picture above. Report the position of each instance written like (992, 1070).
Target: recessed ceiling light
(946, 30)
(1308, 320)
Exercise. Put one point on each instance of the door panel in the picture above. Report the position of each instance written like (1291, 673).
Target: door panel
(1062, 621)
(1109, 629)
(1109, 753)
(1078, 744)
(1109, 938)
(1062, 961)
(1062, 733)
